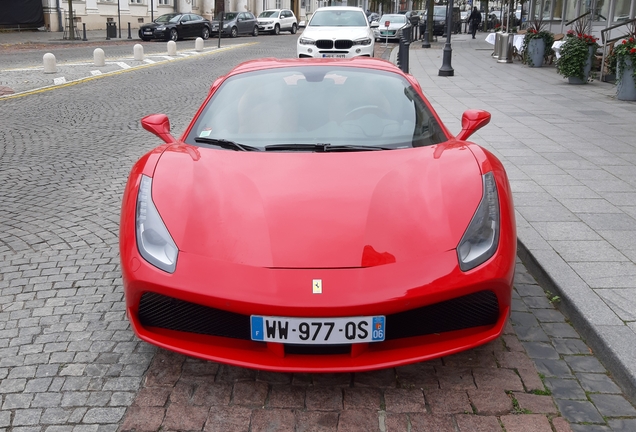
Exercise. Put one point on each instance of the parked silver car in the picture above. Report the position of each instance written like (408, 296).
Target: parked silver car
(276, 20)
(236, 23)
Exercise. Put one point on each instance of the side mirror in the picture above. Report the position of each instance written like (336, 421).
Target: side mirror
(159, 125)
(472, 121)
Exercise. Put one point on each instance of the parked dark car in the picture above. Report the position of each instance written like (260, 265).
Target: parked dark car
(439, 20)
(176, 26)
(236, 23)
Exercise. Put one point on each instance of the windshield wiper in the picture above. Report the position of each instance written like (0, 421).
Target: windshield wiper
(225, 144)
(322, 147)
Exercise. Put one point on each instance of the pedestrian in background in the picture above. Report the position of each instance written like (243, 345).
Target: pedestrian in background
(474, 19)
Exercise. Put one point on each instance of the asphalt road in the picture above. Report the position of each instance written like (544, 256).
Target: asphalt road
(69, 361)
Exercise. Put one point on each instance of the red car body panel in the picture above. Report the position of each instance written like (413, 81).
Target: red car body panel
(379, 229)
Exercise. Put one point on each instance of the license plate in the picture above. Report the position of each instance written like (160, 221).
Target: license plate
(148, 32)
(334, 56)
(323, 331)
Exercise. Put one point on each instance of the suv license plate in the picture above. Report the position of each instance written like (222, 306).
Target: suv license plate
(334, 56)
(320, 331)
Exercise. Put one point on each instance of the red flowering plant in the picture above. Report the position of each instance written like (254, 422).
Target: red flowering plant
(575, 52)
(624, 50)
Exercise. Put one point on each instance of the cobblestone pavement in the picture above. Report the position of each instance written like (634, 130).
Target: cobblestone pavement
(69, 361)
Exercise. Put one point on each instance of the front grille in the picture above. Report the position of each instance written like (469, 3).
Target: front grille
(317, 349)
(156, 310)
(324, 44)
(343, 44)
(473, 310)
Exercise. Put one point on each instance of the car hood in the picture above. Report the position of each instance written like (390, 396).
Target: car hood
(154, 25)
(334, 33)
(316, 210)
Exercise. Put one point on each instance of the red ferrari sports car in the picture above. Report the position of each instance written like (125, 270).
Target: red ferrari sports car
(304, 223)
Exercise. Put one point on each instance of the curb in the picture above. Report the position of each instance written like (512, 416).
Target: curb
(613, 352)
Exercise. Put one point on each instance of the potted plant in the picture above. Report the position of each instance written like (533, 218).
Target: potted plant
(537, 44)
(577, 52)
(622, 62)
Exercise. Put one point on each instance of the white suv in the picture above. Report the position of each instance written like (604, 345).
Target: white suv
(337, 32)
(276, 20)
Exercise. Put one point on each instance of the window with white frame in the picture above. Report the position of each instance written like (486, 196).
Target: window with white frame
(279, 4)
(164, 2)
(136, 1)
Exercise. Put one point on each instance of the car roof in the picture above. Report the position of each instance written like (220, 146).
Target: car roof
(355, 8)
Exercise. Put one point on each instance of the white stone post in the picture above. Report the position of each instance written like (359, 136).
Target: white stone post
(198, 44)
(172, 48)
(98, 57)
(138, 50)
(49, 63)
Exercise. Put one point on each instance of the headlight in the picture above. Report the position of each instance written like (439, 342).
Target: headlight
(442, 23)
(306, 41)
(225, 26)
(153, 239)
(365, 42)
(267, 22)
(161, 28)
(481, 238)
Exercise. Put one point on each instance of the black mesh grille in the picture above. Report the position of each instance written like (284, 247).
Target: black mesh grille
(478, 309)
(324, 44)
(317, 349)
(343, 44)
(156, 310)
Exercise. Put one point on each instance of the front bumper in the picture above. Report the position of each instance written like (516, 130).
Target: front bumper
(316, 52)
(154, 34)
(425, 306)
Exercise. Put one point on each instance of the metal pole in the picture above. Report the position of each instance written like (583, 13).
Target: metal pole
(129, 35)
(447, 69)
(118, 19)
(152, 8)
(84, 30)
(220, 28)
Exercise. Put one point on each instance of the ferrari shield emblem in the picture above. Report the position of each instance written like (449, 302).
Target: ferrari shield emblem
(317, 286)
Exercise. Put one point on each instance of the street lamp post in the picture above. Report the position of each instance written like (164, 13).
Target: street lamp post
(447, 69)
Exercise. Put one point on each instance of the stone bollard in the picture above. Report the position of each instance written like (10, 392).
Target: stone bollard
(138, 49)
(172, 48)
(49, 63)
(198, 44)
(98, 57)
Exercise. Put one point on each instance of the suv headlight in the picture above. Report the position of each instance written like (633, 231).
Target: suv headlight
(153, 239)
(161, 28)
(306, 41)
(364, 42)
(481, 238)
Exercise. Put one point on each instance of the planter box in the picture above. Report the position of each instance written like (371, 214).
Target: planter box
(626, 88)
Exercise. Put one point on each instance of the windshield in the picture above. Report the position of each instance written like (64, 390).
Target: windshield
(393, 19)
(168, 18)
(338, 18)
(229, 16)
(318, 105)
(268, 14)
(439, 11)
